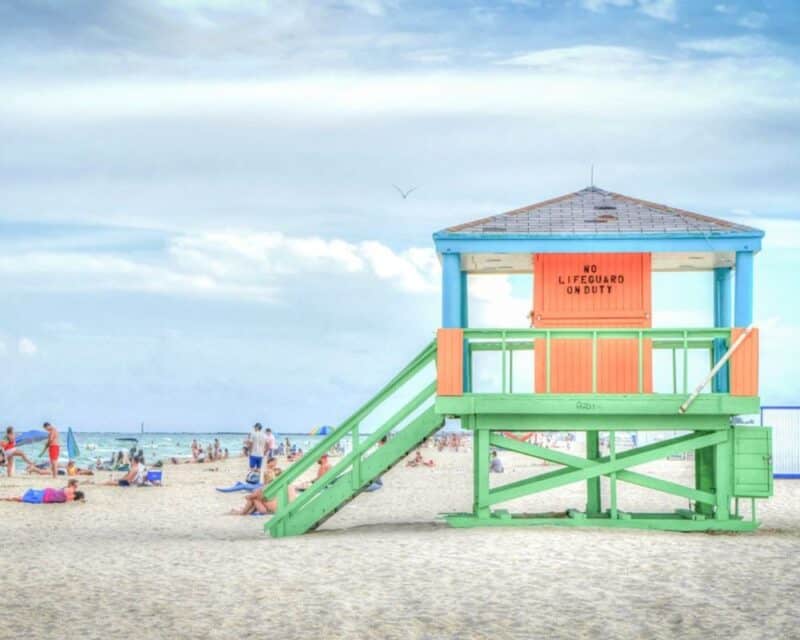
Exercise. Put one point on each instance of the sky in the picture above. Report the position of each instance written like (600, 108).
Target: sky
(198, 220)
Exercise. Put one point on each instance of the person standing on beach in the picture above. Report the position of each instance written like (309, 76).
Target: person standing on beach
(10, 451)
(271, 448)
(258, 445)
(52, 447)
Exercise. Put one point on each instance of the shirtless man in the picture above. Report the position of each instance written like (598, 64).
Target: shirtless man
(52, 447)
(10, 450)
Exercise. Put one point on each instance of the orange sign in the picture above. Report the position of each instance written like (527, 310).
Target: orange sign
(592, 290)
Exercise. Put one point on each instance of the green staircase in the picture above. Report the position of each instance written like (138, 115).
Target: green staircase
(367, 459)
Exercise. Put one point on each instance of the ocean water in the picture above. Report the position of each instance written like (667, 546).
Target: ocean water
(156, 446)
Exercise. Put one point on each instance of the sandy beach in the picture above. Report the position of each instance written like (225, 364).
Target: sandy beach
(168, 563)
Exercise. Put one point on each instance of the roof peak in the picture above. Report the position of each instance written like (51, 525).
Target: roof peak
(596, 211)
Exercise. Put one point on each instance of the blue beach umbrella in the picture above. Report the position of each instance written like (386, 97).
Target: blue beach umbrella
(321, 431)
(72, 445)
(29, 437)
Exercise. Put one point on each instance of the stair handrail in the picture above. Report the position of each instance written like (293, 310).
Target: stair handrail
(345, 428)
(288, 508)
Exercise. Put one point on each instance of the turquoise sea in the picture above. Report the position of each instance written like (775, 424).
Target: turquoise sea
(156, 446)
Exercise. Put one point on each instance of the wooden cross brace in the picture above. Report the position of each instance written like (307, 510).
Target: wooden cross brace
(579, 469)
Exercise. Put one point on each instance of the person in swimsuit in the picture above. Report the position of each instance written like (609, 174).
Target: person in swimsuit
(52, 447)
(10, 451)
(49, 495)
(134, 477)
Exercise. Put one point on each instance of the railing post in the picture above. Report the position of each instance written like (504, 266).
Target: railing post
(547, 361)
(685, 361)
(641, 363)
(503, 351)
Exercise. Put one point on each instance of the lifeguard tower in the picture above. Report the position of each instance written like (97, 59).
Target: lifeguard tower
(593, 353)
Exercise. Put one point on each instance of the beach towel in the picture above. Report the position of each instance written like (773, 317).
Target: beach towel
(240, 486)
(34, 496)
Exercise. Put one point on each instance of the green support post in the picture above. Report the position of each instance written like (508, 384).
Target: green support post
(593, 499)
(723, 481)
(481, 473)
(704, 477)
(612, 443)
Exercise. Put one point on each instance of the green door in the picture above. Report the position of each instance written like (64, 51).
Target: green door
(752, 462)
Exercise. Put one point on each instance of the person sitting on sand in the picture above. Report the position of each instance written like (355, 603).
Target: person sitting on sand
(419, 461)
(49, 495)
(134, 477)
(323, 466)
(496, 465)
(255, 502)
(271, 471)
(10, 451)
(74, 470)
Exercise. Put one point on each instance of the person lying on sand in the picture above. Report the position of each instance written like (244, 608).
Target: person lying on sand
(49, 495)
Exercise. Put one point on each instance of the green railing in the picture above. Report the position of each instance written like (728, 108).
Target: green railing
(350, 429)
(680, 342)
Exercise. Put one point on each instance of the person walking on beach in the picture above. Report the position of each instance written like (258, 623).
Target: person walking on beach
(52, 447)
(258, 445)
(10, 451)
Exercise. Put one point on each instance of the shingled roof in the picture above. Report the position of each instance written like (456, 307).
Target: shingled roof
(593, 211)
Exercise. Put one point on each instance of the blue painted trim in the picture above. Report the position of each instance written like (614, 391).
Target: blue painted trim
(786, 476)
(780, 406)
(451, 290)
(722, 318)
(474, 243)
(464, 299)
(743, 303)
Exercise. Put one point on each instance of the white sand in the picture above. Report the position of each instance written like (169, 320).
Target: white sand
(166, 563)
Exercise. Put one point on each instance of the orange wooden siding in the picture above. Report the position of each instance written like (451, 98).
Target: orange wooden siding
(593, 290)
(571, 366)
(450, 362)
(744, 364)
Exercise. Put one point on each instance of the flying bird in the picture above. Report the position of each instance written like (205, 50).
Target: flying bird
(404, 194)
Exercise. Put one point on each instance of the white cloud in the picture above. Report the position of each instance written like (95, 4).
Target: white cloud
(493, 303)
(753, 20)
(733, 46)
(724, 8)
(229, 264)
(659, 9)
(600, 5)
(26, 347)
(3, 349)
(581, 58)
